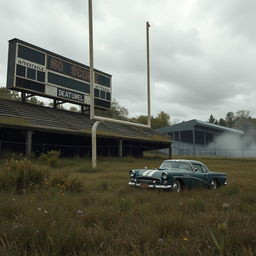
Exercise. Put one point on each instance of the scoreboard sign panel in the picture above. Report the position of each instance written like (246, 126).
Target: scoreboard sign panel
(35, 70)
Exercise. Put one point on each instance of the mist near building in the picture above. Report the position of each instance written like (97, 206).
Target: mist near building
(228, 145)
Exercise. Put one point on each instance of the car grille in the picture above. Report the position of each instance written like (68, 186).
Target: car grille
(147, 180)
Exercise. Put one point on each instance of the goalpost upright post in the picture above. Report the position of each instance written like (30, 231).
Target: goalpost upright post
(100, 119)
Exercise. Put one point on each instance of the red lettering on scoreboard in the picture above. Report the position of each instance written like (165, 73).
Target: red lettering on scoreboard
(80, 73)
(56, 64)
(69, 69)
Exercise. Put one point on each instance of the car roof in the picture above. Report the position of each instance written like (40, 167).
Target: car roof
(184, 160)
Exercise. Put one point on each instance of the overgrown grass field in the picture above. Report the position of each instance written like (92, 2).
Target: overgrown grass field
(51, 206)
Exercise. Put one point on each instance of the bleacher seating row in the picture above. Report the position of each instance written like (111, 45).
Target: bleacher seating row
(54, 119)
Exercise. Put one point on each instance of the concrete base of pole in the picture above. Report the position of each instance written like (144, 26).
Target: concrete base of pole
(94, 144)
(29, 142)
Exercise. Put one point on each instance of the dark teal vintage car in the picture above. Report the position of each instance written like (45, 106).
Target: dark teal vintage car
(177, 175)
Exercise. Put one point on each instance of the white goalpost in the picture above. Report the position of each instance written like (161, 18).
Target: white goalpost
(100, 119)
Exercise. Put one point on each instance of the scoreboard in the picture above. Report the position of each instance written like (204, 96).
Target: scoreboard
(35, 70)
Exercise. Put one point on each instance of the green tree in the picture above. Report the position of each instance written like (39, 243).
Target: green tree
(212, 120)
(35, 100)
(74, 109)
(230, 119)
(8, 94)
(222, 122)
(244, 120)
(242, 115)
(161, 120)
(117, 111)
(142, 119)
(59, 106)
(164, 118)
(241, 120)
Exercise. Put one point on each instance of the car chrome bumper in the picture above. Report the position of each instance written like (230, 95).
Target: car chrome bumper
(150, 185)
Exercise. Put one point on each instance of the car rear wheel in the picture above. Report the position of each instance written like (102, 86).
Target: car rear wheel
(213, 184)
(176, 186)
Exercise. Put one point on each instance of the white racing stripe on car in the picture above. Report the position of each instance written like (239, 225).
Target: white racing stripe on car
(151, 173)
(146, 173)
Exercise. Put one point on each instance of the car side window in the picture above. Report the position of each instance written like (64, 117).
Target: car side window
(185, 166)
(204, 169)
(198, 167)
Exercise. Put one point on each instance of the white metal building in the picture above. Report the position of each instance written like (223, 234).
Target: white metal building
(200, 138)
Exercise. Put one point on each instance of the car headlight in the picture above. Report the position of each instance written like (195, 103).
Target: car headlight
(164, 175)
(132, 173)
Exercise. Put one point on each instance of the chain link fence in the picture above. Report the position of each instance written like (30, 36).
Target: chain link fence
(106, 150)
(127, 150)
(214, 151)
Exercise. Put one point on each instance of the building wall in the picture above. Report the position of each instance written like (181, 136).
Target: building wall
(207, 143)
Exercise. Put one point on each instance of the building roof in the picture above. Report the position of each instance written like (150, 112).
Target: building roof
(29, 116)
(192, 124)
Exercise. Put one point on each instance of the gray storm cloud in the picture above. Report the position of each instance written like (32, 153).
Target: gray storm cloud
(202, 52)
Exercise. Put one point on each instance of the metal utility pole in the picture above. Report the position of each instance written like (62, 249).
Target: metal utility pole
(95, 125)
(91, 59)
(148, 73)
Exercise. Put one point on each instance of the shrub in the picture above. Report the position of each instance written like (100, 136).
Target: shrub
(51, 158)
(58, 178)
(67, 182)
(21, 175)
(73, 184)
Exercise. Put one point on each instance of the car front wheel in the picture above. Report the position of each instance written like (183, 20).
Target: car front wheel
(176, 186)
(213, 184)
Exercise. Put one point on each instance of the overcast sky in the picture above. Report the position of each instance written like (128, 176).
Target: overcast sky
(203, 52)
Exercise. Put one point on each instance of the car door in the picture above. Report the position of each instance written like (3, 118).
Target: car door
(186, 174)
(200, 176)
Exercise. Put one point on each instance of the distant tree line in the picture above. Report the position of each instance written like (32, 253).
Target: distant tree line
(239, 120)
(119, 112)
(13, 95)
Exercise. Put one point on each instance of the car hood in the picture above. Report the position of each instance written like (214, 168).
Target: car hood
(156, 173)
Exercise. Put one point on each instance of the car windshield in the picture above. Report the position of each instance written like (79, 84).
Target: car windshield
(176, 165)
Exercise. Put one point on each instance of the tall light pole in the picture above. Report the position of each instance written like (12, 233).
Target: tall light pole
(95, 125)
(91, 59)
(148, 73)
